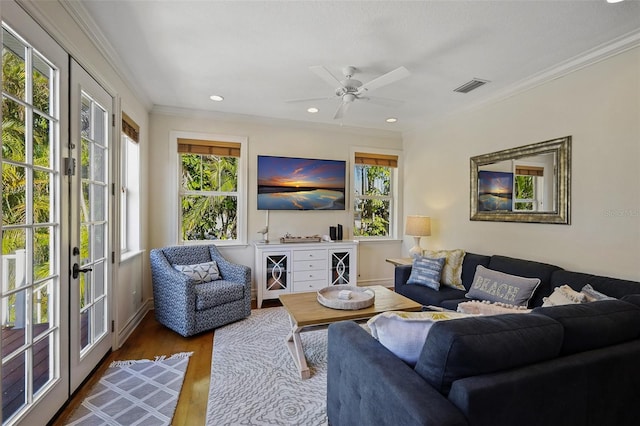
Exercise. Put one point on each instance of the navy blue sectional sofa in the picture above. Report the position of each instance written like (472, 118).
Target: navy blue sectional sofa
(550, 276)
(560, 365)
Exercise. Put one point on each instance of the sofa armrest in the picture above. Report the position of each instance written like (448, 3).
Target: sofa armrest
(402, 274)
(367, 384)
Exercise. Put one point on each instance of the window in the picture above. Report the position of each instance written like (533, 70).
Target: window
(129, 186)
(374, 202)
(527, 181)
(210, 183)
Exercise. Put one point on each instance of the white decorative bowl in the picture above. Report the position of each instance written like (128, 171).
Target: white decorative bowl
(360, 297)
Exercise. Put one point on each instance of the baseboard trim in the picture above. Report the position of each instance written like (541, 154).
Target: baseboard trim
(134, 321)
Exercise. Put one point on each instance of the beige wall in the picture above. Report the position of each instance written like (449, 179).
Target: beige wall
(265, 137)
(599, 106)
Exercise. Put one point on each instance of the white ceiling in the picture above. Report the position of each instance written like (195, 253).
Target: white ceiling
(257, 54)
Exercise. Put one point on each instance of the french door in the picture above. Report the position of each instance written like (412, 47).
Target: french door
(90, 200)
(35, 283)
(56, 234)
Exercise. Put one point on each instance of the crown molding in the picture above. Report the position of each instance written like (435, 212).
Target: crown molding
(590, 57)
(78, 13)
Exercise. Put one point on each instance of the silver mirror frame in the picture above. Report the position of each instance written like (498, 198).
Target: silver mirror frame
(562, 185)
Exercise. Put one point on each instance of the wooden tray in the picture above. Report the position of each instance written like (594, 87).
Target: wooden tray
(360, 297)
(300, 239)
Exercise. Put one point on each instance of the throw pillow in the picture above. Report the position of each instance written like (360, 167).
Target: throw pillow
(496, 286)
(593, 295)
(452, 269)
(483, 307)
(404, 333)
(201, 272)
(426, 272)
(563, 295)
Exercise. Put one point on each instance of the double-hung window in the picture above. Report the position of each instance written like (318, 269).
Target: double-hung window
(374, 195)
(211, 176)
(527, 185)
(129, 186)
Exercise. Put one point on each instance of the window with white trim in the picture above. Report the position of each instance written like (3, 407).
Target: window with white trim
(129, 186)
(210, 177)
(374, 199)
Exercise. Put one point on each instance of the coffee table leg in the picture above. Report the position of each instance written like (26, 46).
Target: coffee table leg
(294, 343)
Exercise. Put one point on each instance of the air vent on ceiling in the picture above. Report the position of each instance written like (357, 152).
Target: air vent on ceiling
(469, 86)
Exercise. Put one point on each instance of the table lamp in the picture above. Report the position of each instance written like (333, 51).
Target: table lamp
(417, 227)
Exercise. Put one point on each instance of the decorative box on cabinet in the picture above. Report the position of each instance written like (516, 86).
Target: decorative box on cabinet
(298, 267)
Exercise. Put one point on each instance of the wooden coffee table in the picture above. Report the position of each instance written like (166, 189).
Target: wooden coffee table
(305, 311)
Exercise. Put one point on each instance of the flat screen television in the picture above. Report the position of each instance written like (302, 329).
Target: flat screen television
(286, 183)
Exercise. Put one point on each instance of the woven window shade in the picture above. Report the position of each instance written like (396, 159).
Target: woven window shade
(529, 170)
(197, 146)
(376, 159)
(130, 128)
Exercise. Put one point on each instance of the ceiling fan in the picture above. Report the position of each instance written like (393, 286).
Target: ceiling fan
(349, 89)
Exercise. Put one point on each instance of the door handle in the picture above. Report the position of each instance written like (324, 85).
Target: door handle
(76, 270)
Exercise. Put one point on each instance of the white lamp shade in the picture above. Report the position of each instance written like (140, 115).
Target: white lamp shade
(418, 226)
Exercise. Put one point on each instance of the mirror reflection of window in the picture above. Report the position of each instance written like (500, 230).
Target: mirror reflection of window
(528, 188)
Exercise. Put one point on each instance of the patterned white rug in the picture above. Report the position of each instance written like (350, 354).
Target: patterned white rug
(254, 380)
(140, 392)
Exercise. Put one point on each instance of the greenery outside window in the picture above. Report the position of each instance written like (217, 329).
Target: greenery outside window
(374, 202)
(527, 180)
(211, 208)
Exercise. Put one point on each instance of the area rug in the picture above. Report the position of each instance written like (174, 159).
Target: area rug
(139, 392)
(254, 380)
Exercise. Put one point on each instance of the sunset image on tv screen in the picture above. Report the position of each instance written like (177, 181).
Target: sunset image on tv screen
(286, 183)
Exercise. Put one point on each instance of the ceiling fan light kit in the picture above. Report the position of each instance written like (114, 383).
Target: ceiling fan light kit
(350, 90)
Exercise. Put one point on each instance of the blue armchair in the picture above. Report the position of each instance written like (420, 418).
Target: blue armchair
(189, 306)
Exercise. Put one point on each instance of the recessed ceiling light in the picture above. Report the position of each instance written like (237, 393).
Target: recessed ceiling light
(614, 1)
(216, 98)
(391, 120)
(312, 110)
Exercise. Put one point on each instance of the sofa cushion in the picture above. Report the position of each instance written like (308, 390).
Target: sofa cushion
(632, 298)
(201, 272)
(480, 345)
(216, 293)
(427, 296)
(594, 325)
(404, 333)
(496, 286)
(529, 269)
(610, 286)
(469, 265)
(426, 271)
(452, 269)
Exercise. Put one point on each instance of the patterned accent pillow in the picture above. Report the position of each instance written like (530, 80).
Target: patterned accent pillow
(452, 270)
(426, 272)
(593, 295)
(404, 333)
(201, 272)
(564, 295)
(496, 286)
(483, 307)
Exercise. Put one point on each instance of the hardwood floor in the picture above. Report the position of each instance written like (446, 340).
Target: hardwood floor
(151, 339)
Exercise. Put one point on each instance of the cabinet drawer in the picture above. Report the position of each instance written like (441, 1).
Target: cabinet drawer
(310, 276)
(303, 286)
(309, 255)
(310, 265)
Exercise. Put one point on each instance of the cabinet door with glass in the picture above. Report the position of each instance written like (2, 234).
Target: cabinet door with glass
(275, 275)
(342, 266)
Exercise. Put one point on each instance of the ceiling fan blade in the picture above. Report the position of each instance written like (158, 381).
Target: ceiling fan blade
(310, 99)
(383, 80)
(342, 110)
(324, 74)
(382, 101)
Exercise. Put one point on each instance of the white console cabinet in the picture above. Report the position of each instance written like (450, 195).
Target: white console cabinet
(298, 267)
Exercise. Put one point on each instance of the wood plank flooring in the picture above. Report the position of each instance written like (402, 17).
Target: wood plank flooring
(151, 339)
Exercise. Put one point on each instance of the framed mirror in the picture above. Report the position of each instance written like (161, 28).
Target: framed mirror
(531, 183)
